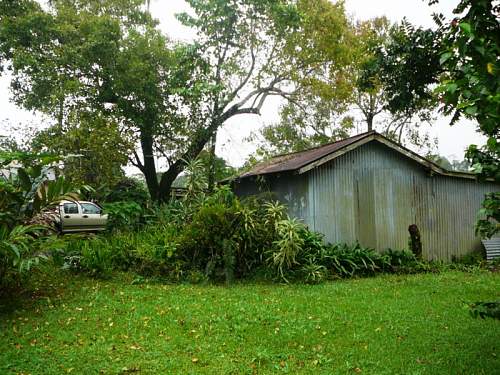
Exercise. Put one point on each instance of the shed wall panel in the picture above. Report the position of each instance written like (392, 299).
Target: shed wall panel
(372, 194)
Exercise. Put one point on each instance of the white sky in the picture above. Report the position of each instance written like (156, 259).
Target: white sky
(231, 144)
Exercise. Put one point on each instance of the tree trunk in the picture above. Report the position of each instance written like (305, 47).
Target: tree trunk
(369, 121)
(201, 139)
(149, 165)
(211, 163)
(167, 179)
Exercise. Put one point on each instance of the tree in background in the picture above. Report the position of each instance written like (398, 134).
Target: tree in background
(450, 165)
(251, 47)
(109, 59)
(376, 78)
(395, 78)
(470, 88)
(312, 122)
(316, 108)
(94, 149)
(64, 63)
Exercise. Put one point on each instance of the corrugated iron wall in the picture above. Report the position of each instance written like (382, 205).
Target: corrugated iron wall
(372, 194)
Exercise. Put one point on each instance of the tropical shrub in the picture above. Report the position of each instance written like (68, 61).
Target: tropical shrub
(343, 260)
(26, 198)
(208, 239)
(400, 261)
(128, 189)
(123, 215)
(96, 257)
(220, 237)
(16, 252)
(155, 252)
(287, 247)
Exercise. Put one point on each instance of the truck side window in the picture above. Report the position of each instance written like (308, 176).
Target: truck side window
(89, 208)
(70, 208)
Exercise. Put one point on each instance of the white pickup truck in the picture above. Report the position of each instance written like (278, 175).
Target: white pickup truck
(80, 216)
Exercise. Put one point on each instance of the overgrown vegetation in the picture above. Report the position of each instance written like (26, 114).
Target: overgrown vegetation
(203, 237)
(219, 237)
(26, 197)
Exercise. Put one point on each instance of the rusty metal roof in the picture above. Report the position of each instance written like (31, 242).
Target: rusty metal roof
(303, 161)
(297, 160)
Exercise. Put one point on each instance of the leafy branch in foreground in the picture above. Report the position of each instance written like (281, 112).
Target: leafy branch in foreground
(26, 195)
(470, 88)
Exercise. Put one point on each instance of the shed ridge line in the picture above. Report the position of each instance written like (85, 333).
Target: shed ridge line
(303, 161)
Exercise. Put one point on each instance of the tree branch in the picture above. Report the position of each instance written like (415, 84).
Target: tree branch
(137, 163)
(245, 80)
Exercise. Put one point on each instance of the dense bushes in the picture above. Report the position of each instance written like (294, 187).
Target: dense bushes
(220, 237)
(202, 237)
(123, 215)
(26, 200)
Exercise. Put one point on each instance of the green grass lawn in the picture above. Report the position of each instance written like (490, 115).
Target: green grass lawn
(384, 325)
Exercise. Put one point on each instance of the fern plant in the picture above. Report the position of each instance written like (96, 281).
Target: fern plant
(16, 250)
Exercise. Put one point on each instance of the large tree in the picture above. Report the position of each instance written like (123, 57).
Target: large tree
(315, 110)
(109, 56)
(258, 49)
(105, 58)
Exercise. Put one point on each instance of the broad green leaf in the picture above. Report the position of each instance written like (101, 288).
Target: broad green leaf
(471, 110)
(466, 27)
(445, 57)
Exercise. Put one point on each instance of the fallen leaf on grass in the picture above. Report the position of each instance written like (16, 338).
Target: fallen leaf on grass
(129, 370)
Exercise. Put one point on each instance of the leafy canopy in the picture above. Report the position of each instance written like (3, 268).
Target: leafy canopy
(470, 88)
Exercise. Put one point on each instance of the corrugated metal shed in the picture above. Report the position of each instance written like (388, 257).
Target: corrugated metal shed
(492, 247)
(369, 189)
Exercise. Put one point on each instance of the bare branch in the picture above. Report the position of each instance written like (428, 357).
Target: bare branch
(136, 161)
(258, 91)
(165, 155)
(245, 80)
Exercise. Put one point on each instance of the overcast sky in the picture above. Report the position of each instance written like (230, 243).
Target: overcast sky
(231, 144)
